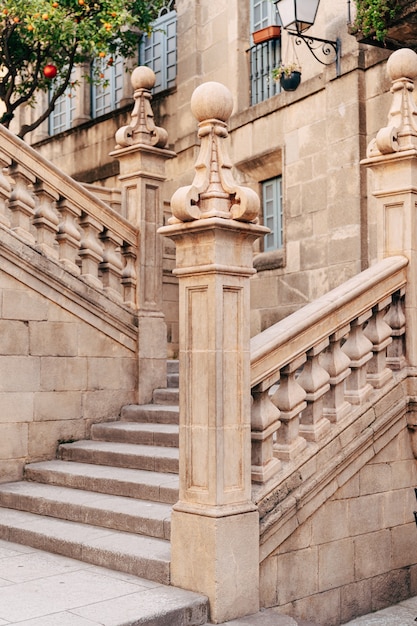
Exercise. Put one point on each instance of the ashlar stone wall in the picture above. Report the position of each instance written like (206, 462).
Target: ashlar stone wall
(62, 367)
(358, 552)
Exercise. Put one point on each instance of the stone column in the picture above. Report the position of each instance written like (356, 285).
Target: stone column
(215, 525)
(142, 155)
(82, 94)
(392, 164)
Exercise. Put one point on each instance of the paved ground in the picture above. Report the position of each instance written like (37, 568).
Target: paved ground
(43, 589)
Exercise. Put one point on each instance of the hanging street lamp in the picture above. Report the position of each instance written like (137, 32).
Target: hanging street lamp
(296, 16)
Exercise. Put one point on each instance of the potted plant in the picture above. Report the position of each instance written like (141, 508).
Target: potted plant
(288, 74)
(374, 17)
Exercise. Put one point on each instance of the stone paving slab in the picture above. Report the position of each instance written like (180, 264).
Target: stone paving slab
(43, 589)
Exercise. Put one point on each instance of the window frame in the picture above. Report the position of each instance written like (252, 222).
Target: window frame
(65, 107)
(112, 92)
(158, 50)
(272, 212)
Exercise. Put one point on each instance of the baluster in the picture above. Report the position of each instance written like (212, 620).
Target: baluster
(379, 333)
(5, 191)
(290, 400)
(129, 275)
(395, 318)
(69, 237)
(111, 266)
(46, 220)
(91, 250)
(359, 350)
(336, 363)
(315, 382)
(264, 424)
(21, 202)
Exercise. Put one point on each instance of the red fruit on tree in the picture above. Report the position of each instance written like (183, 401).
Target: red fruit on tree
(50, 71)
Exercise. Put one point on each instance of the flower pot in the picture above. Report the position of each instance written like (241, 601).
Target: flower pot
(290, 82)
(265, 34)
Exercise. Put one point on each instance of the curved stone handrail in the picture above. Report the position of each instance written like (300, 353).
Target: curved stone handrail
(315, 369)
(62, 219)
(301, 330)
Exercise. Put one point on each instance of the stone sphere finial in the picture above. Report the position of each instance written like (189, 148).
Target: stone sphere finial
(212, 100)
(142, 78)
(402, 64)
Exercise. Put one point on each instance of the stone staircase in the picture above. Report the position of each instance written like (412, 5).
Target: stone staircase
(107, 500)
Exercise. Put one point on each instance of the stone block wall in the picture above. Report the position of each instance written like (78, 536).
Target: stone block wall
(61, 368)
(358, 552)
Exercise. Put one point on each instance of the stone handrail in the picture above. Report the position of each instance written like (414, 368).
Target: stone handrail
(318, 366)
(64, 221)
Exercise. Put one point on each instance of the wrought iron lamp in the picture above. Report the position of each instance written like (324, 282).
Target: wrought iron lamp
(296, 17)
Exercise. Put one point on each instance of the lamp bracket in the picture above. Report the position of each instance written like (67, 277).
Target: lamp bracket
(321, 49)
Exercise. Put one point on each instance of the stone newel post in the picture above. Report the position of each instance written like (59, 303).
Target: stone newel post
(392, 165)
(142, 155)
(215, 526)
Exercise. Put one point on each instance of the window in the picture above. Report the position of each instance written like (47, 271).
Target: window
(63, 113)
(159, 50)
(272, 212)
(263, 13)
(264, 56)
(106, 96)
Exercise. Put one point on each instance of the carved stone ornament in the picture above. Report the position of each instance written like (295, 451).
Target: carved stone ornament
(142, 129)
(214, 192)
(401, 131)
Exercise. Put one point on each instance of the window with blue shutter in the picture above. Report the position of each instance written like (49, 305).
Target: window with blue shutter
(106, 96)
(272, 213)
(264, 57)
(159, 49)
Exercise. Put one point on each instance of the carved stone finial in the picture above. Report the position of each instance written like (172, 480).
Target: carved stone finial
(142, 129)
(401, 131)
(214, 192)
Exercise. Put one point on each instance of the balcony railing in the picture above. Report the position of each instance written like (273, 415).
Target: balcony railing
(263, 58)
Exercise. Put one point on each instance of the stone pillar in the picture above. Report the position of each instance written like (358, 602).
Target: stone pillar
(82, 94)
(392, 164)
(142, 155)
(215, 525)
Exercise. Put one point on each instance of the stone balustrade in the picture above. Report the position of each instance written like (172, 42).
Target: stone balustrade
(314, 371)
(66, 222)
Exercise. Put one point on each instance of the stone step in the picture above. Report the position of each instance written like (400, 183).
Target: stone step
(152, 413)
(43, 589)
(126, 552)
(173, 381)
(134, 456)
(138, 433)
(173, 366)
(115, 512)
(142, 484)
(168, 396)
